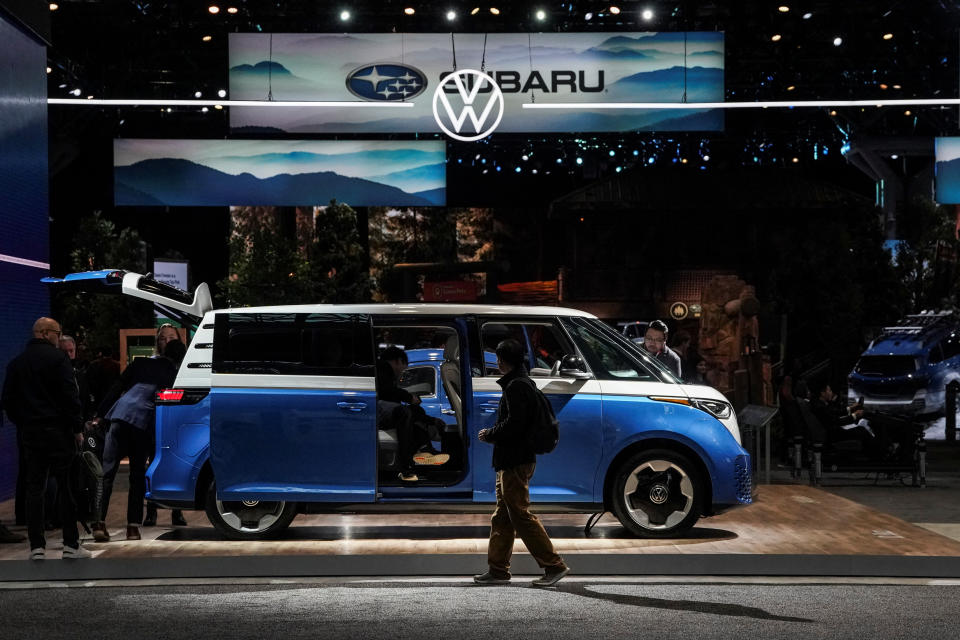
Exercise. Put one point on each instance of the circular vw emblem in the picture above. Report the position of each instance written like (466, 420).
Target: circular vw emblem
(388, 81)
(659, 493)
(474, 97)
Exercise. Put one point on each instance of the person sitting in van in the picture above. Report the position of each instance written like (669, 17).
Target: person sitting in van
(398, 409)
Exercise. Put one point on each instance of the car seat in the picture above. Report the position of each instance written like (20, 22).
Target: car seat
(450, 375)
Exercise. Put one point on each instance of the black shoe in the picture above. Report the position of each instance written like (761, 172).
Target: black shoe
(177, 519)
(150, 520)
(7, 536)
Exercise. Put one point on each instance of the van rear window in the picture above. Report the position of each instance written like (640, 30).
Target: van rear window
(292, 344)
(886, 365)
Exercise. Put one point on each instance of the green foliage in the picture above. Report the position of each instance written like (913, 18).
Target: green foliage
(319, 260)
(926, 255)
(95, 319)
(408, 236)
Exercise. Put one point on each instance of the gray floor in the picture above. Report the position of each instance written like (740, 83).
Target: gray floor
(431, 609)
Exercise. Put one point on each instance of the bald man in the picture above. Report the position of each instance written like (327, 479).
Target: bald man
(40, 396)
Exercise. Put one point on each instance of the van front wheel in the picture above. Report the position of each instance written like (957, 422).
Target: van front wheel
(657, 494)
(248, 519)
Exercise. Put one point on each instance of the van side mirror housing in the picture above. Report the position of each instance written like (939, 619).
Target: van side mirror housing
(573, 366)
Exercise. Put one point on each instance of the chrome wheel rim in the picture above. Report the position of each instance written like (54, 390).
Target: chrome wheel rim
(249, 516)
(658, 494)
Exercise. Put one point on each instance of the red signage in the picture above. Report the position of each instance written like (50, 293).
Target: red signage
(452, 291)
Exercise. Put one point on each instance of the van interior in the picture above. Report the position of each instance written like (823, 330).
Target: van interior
(435, 375)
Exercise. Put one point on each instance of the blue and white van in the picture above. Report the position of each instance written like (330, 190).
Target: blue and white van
(273, 413)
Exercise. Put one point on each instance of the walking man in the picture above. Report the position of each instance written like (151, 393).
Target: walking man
(515, 461)
(40, 396)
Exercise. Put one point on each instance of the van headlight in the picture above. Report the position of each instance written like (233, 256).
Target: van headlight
(717, 408)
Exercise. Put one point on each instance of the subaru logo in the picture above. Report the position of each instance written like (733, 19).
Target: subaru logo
(388, 81)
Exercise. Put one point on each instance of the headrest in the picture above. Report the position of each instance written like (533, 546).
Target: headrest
(451, 351)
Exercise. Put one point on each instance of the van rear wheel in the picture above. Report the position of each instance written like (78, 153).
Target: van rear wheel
(248, 519)
(657, 494)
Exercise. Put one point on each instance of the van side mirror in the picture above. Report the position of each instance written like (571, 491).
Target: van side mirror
(573, 366)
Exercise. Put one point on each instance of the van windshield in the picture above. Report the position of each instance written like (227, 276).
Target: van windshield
(632, 348)
(886, 366)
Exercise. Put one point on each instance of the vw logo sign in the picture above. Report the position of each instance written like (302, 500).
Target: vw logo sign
(659, 494)
(388, 82)
(468, 84)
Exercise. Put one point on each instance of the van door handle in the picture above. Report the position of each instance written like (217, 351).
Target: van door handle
(352, 406)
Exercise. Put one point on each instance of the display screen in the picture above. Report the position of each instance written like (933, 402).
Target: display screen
(529, 68)
(279, 172)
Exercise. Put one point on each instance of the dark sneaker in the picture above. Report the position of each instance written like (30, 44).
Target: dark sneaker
(69, 553)
(177, 519)
(491, 578)
(9, 536)
(38, 554)
(551, 578)
(100, 533)
(407, 476)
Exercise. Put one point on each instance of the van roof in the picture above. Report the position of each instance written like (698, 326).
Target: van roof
(423, 309)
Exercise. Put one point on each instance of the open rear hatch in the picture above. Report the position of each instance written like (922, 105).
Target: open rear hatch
(188, 308)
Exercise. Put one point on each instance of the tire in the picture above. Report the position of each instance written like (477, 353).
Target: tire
(253, 520)
(658, 494)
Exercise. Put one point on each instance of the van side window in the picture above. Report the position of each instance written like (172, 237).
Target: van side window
(293, 344)
(951, 346)
(606, 360)
(544, 344)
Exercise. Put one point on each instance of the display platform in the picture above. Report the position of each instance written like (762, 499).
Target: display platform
(789, 530)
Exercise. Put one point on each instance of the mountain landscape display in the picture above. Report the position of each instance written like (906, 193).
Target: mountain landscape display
(178, 182)
(948, 181)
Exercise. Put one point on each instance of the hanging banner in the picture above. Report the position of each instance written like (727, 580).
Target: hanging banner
(535, 67)
(279, 172)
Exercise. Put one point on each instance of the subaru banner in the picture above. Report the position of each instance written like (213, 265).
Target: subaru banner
(466, 85)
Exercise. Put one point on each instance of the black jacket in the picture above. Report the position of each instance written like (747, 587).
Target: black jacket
(510, 435)
(387, 388)
(40, 396)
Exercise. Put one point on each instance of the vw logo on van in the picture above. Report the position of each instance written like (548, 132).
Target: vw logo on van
(659, 493)
(386, 81)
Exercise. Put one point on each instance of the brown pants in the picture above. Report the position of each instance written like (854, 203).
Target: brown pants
(512, 517)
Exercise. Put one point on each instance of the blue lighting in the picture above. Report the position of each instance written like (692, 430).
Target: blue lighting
(619, 169)
(612, 153)
(517, 169)
(498, 167)
(579, 160)
(651, 160)
(635, 152)
(559, 160)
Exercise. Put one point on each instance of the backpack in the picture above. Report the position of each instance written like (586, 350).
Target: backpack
(545, 432)
(86, 487)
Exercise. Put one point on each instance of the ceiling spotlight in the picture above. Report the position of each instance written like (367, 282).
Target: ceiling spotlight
(54, 6)
(204, 109)
(888, 36)
(837, 41)
(232, 9)
(495, 11)
(647, 15)
(76, 92)
(833, 113)
(409, 11)
(541, 15)
(222, 93)
(588, 16)
(207, 38)
(213, 9)
(344, 15)
(776, 37)
(49, 69)
(475, 11)
(197, 94)
(883, 86)
(907, 112)
(807, 15)
(218, 107)
(451, 15)
(791, 88)
(89, 97)
(615, 10)
(783, 8)
(796, 159)
(896, 86)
